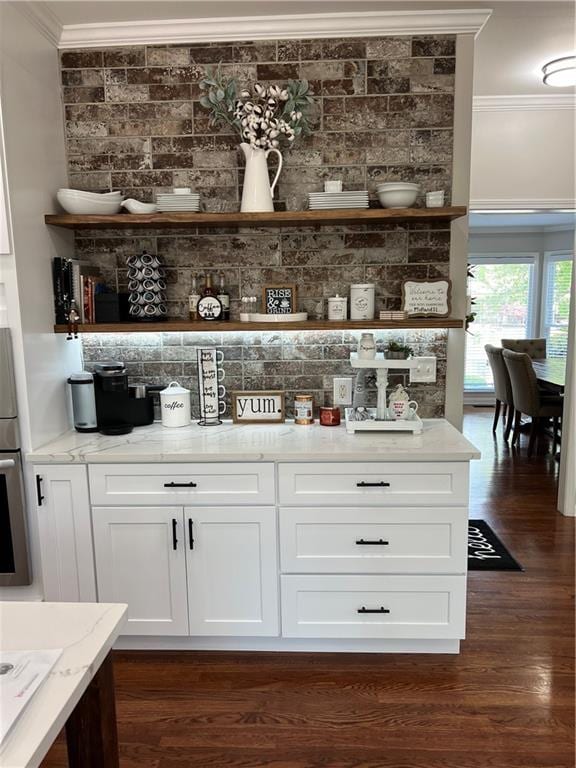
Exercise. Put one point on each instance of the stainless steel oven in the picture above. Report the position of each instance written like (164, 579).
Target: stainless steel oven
(14, 561)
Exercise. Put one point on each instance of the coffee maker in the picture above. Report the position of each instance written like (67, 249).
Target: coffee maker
(112, 398)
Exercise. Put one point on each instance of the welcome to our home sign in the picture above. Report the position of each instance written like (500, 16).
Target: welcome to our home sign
(426, 298)
(258, 407)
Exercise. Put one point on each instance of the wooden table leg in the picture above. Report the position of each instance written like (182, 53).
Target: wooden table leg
(91, 728)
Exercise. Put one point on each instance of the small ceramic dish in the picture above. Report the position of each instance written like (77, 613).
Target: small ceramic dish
(135, 206)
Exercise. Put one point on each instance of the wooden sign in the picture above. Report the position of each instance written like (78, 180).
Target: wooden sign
(258, 407)
(426, 298)
(279, 299)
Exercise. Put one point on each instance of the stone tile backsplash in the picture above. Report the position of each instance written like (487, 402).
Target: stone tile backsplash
(133, 122)
(295, 361)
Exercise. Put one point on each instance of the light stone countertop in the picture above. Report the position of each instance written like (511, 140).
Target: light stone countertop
(439, 441)
(86, 632)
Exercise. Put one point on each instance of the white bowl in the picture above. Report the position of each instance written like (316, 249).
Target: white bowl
(393, 185)
(80, 205)
(135, 206)
(397, 198)
(80, 193)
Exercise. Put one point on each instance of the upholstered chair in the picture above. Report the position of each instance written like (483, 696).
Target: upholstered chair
(534, 348)
(502, 389)
(529, 399)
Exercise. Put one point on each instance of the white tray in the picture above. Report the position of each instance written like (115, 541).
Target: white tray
(413, 424)
(294, 317)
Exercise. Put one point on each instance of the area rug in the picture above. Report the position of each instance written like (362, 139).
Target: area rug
(485, 550)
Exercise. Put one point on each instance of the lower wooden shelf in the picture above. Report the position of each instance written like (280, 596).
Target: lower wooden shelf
(171, 326)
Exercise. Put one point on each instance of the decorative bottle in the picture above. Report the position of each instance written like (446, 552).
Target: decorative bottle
(193, 299)
(224, 297)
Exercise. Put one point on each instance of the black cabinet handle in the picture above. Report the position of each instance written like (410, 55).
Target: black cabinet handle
(191, 533)
(365, 542)
(180, 485)
(39, 496)
(373, 610)
(174, 537)
(381, 484)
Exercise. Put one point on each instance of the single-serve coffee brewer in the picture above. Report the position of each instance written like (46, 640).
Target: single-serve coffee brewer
(112, 398)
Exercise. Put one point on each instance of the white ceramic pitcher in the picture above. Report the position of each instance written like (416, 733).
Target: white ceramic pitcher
(257, 192)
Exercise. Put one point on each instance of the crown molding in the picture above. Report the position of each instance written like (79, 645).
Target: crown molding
(40, 15)
(307, 26)
(529, 102)
(494, 204)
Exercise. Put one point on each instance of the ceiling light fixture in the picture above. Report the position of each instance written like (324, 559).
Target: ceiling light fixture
(560, 72)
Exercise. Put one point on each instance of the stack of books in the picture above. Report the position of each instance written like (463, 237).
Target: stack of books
(394, 314)
(322, 200)
(75, 284)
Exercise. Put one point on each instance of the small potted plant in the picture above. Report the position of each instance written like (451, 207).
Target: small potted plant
(396, 351)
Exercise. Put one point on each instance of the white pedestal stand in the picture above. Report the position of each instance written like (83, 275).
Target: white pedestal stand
(379, 420)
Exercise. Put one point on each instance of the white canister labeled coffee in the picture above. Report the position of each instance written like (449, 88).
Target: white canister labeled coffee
(337, 308)
(362, 301)
(175, 405)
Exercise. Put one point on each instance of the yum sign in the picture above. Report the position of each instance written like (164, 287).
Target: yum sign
(258, 407)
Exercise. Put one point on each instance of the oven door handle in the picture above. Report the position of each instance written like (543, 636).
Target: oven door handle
(7, 464)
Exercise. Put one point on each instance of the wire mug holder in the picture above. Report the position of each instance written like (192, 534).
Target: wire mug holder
(210, 387)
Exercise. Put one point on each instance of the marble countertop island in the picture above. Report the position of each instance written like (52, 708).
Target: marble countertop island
(86, 633)
(439, 441)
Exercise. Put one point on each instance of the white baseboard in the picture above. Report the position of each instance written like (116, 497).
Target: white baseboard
(284, 644)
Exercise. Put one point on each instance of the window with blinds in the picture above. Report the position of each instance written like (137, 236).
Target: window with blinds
(503, 289)
(557, 276)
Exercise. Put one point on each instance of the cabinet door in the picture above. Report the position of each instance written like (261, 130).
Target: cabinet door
(232, 570)
(65, 533)
(140, 560)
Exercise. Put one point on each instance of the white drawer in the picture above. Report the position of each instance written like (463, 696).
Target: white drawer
(368, 540)
(374, 483)
(219, 483)
(427, 607)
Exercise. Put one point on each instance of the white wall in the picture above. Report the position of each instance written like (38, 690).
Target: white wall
(32, 168)
(522, 142)
(35, 167)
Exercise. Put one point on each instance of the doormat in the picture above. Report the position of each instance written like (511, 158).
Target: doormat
(485, 550)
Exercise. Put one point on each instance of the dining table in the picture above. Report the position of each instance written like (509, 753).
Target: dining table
(551, 371)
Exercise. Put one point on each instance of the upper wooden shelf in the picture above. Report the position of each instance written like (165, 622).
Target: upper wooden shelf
(207, 326)
(272, 219)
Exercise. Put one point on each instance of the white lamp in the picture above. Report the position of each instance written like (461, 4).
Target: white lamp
(560, 72)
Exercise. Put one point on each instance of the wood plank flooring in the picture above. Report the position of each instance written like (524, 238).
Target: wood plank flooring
(507, 701)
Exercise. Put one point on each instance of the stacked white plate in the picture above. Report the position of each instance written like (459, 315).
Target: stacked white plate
(171, 203)
(352, 199)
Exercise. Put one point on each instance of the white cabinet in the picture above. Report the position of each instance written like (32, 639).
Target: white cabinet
(232, 571)
(416, 607)
(379, 483)
(141, 561)
(65, 533)
(210, 483)
(373, 540)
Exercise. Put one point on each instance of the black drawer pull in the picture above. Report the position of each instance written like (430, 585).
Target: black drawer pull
(380, 542)
(191, 533)
(174, 537)
(39, 495)
(373, 610)
(181, 485)
(381, 484)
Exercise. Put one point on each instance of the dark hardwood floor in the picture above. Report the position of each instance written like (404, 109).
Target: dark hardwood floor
(507, 701)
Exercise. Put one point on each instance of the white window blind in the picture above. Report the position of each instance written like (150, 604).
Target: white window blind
(556, 302)
(503, 289)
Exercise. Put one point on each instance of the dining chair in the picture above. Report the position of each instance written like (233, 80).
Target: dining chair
(529, 399)
(534, 348)
(502, 389)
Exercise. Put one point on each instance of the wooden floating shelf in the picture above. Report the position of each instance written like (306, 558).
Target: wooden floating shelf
(272, 219)
(171, 326)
